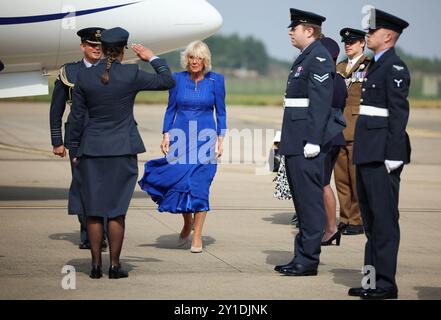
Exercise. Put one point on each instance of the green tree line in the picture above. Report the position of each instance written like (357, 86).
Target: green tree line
(249, 53)
(419, 64)
(231, 52)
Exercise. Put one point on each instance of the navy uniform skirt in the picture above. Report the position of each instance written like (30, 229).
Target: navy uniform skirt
(106, 184)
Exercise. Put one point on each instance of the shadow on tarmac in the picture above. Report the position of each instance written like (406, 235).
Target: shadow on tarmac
(72, 237)
(428, 293)
(350, 278)
(128, 263)
(283, 218)
(275, 257)
(170, 241)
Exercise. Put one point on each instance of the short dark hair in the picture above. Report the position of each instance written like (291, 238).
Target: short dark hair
(317, 29)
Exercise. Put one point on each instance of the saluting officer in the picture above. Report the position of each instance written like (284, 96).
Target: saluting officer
(106, 148)
(306, 120)
(381, 148)
(62, 94)
(353, 69)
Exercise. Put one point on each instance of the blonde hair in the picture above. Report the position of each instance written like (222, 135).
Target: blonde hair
(197, 49)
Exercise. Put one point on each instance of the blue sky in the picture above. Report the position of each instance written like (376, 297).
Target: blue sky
(267, 21)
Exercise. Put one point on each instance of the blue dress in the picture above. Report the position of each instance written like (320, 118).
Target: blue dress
(180, 182)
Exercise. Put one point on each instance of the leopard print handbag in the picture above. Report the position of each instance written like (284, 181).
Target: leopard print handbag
(282, 190)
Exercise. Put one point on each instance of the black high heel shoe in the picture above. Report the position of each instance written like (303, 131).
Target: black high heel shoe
(336, 236)
(96, 272)
(116, 272)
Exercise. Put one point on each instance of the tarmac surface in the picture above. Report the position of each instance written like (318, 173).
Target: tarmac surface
(245, 235)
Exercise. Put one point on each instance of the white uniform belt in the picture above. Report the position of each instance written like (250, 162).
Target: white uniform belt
(296, 103)
(374, 111)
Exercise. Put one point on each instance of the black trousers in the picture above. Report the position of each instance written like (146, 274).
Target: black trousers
(74, 204)
(378, 196)
(305, 178)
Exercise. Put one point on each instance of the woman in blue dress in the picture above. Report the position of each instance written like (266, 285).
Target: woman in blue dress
(180, 182)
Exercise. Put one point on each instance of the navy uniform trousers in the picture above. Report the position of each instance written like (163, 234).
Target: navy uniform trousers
(305, 178)
(378, 195)
(380, 134)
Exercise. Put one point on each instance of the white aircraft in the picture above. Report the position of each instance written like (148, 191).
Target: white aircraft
(38, 36)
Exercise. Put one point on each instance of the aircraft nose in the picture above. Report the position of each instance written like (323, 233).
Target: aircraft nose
(212, 19)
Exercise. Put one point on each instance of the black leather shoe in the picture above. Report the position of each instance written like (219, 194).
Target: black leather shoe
(84, 245)
(104, 245)
(341, 226)
(116, 272)
(294, 219)
(379, 294)
(281, 266)
(356, 292)
(352, 229)
(298, 270)
(96, 272)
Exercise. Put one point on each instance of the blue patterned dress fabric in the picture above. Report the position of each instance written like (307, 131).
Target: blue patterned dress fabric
(180, 182)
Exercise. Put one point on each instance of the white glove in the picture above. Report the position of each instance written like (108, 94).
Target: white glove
(311, 150)
(391, 165)
(277, 137)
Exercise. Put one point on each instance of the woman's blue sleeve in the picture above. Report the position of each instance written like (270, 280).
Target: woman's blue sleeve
(219, 102)
(170, 113)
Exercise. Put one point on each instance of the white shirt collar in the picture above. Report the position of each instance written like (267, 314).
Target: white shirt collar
(88, 64)
(354, 60)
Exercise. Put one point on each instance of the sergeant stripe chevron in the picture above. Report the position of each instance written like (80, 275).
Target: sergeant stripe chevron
(321, 78)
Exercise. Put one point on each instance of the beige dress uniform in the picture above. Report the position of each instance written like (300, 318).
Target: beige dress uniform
(344, 170)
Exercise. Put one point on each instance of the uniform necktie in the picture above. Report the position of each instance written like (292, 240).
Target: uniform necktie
(349, 66)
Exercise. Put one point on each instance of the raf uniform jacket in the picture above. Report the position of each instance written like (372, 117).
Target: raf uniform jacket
(354, 79)
(378, 138)
(111, 129)
(338, 107)
(61, 95)
(311, 78)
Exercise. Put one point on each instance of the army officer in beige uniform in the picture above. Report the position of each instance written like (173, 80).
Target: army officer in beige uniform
(353, 69)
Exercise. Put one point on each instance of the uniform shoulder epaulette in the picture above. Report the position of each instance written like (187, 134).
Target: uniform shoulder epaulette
(64, 74)
(340, 69)
(65, 78)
